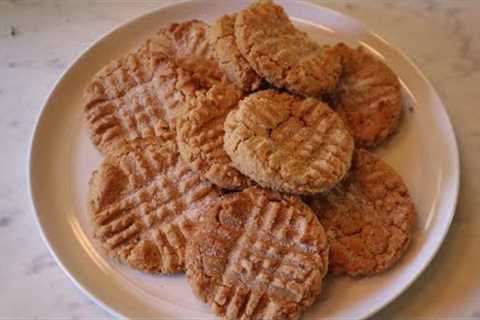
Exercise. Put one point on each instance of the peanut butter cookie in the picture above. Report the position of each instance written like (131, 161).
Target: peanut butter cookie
(144, 202)
(368, 218)
(135, 100)
(231, 61)
(288, 144)
(187, 43)
(258, 255)
(127, 98)
(368, 97)
(200, 136)
(285, 56)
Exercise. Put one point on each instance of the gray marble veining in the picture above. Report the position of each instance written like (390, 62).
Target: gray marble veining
(39, 39)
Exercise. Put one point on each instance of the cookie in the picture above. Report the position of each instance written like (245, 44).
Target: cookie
(187, 43)
(127, 98)
(222, 38)
(132, 98)
(144, 203)
(288, 144)
(258, 255)
(283, 55)
(368, 97)
(200, 136)
(368, 219)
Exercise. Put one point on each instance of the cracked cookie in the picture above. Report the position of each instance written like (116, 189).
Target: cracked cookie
(258, 254)
(200, 136)
(287, 143)
(368, 218)
(283, 55)
(144, 203)
(222, 38)
(368, 96)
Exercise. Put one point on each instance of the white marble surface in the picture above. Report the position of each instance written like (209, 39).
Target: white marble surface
(39, 39)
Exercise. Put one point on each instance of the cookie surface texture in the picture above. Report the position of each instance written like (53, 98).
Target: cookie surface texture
(187, 43)
(200, 136)
(144, 203)
(258, 255)
(234, 65)
(288, 144)
(285, 56)
(368, 218)
(134, 96)
(128, 97)
(368, 96)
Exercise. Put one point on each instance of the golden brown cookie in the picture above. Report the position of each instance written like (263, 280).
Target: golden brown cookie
(222, 38)
(145, 202)
(200, 136)
(285, 56)
(368, 219)
(133, 97)
(187, 43)
(127, 98)
(258, 255)
(368, 97)
(288, 144)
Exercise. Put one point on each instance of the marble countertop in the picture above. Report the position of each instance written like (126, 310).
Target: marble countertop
(39, 39)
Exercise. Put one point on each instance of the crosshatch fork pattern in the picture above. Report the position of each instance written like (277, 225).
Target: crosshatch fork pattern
(302, 147)
(126, 99)
(130, 100)
(145, 202)
(200, 136)
(258, 255)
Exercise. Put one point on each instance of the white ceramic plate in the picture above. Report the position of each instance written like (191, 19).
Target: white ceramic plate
(424, 152)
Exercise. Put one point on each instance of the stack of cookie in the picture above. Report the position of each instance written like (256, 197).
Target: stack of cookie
(232, 152)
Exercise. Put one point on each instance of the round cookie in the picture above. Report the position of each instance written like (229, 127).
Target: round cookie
(145, 202)
(285, 56)
(128, 97)
(288, 144)
(200, 136)
(222, 38)
(133, 97)
(258, 254)
(368, 96)
(368, 219)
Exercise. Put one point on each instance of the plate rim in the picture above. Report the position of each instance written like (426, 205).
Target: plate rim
(107, 306)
